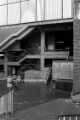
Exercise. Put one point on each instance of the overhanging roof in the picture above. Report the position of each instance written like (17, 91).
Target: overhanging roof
(9, 34)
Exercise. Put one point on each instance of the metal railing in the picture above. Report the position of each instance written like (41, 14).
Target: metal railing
(69, 117)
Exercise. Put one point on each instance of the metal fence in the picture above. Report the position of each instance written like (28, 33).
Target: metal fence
(69, 117)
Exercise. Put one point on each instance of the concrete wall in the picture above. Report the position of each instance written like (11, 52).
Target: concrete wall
(76, 51)
(32, 43)
(6, 103)
(15, 46)
(76, 87)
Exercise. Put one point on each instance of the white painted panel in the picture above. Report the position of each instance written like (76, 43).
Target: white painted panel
(40, 10)
(53, 9)
(6, 103)
(28, 11)
(77, 10)
(12, 1)
(14, 13)
(67, 8)
(3, 2)
(3, 15)
(62, 70)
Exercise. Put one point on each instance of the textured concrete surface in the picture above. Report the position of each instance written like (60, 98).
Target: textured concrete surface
(47, 111)
(36, 101)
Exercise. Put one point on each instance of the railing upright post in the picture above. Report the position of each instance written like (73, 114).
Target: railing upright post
(59, 118)
(70, 117)
(76, 118)
(64, 118)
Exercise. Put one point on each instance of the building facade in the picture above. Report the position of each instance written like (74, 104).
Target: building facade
(24, 11)
(34, 34)
(76, 47)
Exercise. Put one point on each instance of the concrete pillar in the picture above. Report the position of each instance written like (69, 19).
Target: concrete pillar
(13, 71)
(42, 52)
(76, 53)
(76, 50)
(6, 65)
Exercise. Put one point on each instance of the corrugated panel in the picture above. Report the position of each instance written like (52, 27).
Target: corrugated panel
(53, 9)
(62, 70)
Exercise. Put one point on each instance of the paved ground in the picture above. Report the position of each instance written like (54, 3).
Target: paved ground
(47, 111)
(32, 94)
(35, 101)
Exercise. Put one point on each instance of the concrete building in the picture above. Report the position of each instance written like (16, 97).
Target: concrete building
(76, 46)
(34, 34)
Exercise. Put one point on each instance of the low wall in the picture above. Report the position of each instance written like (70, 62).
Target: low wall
(6, 103)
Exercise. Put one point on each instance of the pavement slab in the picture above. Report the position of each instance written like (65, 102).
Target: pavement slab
(47, 111)
(36, 101)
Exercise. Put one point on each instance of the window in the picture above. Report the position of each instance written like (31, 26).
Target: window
(53, 9)
(3, 2)
(14, 13)
(3, 15)
(28, 11)
(67, 8)
(40, 10)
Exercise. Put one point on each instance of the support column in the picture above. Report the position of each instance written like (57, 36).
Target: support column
(76, 53)
(13, 71)
(42, 52)
(76, 75)
(5, 65)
